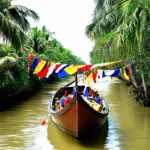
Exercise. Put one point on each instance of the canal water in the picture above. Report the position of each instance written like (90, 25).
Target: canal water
(128, 126)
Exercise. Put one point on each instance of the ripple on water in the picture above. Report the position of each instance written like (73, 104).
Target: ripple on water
(128, 124)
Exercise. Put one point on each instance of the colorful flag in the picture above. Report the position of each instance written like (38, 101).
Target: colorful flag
(74, 91)
(73, 69)
(125, 74)
(35, 63)
(50, 70)
(62, 74)
(109, 72)
(85, 67)
(133, 67)
(94, 75)
(129, 70)
(105, 64)
(57, 66)
(100, 74)
(60, 68)
(44, 72)
(89, 79)
(29, 61)
(116, 72)
(86, 91)
(39, 67)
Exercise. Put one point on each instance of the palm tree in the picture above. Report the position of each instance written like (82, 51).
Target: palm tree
(14, 23)
(129, 35)
(131, 31)
(39, 39)
(8, 62)
(103, 21)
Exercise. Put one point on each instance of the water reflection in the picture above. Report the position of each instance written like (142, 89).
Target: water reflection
(113, 139)
(62, 140)
(128, 126)
(106, 138)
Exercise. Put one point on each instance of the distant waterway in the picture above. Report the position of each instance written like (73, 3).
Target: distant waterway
(128, 125)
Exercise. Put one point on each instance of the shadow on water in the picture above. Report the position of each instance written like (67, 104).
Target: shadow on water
(95, 139)
(62, 140)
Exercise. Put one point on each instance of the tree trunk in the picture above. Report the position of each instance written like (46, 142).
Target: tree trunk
(133, 81)
(144, 85)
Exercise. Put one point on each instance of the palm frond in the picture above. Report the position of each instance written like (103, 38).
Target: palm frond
(26, 12)
(7, 62)
(19, 19)
(10, 32)
(90, 30)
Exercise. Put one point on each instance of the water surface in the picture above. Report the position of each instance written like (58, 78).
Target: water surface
(128, 125)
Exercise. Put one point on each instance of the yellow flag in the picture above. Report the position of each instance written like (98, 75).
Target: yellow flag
(69, 69)
(39, 67)
(89, 78)
(125, 74)
(72, 69)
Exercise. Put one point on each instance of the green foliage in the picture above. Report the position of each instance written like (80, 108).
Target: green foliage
(42, 41)
(6, 79)
(120, 29)
(14, 74)
(5, 50)
(16, 77)
(14, 23)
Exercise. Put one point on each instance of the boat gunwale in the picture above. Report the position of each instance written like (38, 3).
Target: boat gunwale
(66, 108)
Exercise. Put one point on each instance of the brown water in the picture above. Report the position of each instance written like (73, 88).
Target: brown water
(128, 124)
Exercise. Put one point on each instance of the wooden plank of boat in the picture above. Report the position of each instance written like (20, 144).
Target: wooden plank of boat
(78, 116)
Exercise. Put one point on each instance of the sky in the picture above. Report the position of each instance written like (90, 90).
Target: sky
(68, 19)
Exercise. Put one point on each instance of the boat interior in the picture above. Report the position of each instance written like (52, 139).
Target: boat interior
(59, 103)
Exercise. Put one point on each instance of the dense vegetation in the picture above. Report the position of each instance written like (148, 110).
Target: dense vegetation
(19, 40)
(120, 29)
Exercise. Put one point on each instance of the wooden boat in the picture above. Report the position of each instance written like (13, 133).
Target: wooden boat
(78, 116)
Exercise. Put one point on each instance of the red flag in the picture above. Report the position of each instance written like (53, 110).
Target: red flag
(94, 75)
(29, 60)
(87, 73)
(129, 70)
(86, 67)
(43, 122)
(43, 72)
(57, 66)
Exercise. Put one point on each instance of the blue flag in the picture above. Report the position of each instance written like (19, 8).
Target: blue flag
(62, 74)
(133, 66)
(86, 91)
(35, 63)
(117, 71)
(74, 91)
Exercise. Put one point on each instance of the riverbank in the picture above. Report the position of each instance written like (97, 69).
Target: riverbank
(9, 97)
(139, 94)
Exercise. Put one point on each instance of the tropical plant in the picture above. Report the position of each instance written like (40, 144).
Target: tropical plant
(43, 43)
(127, 37)
(7, 62)
(39, 39)
(14, 23)
(104, 19)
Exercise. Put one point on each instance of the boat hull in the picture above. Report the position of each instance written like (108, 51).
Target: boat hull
(78, 118)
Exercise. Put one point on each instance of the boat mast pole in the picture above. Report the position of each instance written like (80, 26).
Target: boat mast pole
(76, 79)
(76, 83)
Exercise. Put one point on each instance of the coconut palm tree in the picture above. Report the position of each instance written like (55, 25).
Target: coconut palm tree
(104, 19)
(14, 23)
(130, 34)
(39, 39)
(133, 28)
